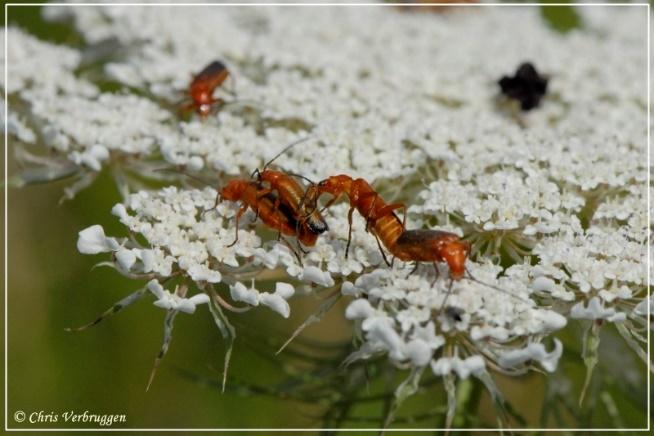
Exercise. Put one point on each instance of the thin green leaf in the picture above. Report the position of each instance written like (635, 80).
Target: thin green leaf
(168, 337)
(83, 181)
(589, 354)
(496, 396)
(406, 389)
(449, 382)
(633, 344)
(45, 174)
(464, 393)
(228, 332)
(612, 409)
(117, 307)
(313, 318)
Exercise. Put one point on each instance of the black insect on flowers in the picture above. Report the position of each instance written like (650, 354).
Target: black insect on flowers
(526, 86)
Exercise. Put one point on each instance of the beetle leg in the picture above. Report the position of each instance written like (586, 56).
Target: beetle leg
(288, 244)
(415, 268)
(240, 212)
(381, 250)
(349, 232)
(437, 274)
(215, 205)
(388, 210)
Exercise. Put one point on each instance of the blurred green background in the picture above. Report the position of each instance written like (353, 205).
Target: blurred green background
(105, 369)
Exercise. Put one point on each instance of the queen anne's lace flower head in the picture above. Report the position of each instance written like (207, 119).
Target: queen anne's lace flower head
(418, 320)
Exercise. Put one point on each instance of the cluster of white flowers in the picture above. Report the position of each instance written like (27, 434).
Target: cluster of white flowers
(38, 64)
(332, 90)
(503, 201)
(410, 319)
(186, 235)
(407, 101)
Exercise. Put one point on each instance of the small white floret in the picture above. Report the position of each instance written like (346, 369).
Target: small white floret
(359, 309)
(315, 275)
(445, 365)
(276, 303)
(419, 352)
(595, 310)
(92, 240)
(643, 306)
(125, 258)
(536, 352)
(284, 290)
(239, 292)
(168, 301)
(201, 273)
(120, 211)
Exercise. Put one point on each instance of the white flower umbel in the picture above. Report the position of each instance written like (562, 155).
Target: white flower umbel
(179, 235)
(416, 321)
(346, 99)
(456, 328)
(186, 236)
(595, 264)
(502, 210)
(34, 64)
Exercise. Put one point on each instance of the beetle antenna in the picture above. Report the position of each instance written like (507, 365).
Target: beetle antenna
(447, 295)
(178, 171)
(232, 80)
(504, 291)
(300, 176)
(304, 201)
(285, 149)
(244, 102)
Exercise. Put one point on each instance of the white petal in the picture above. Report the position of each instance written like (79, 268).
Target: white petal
(472, 365)
(276, 303)
(442, 366)
(543, 284)
(595, 310)
(359, 309)
(126, 259)
(419, 352)
(201, 273)
(239, 292)
(147, 257)
(92, 240)
(164, 303)
(552, 320)
(184, 305)
(641, 308)
(94, 156)
(381, 330)
(348, 288)
(284, 290)
(120, 211)
(199, 299)
(533, 351)
(195, 163)
(316, 275)
(478, 333)
(155, 287)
